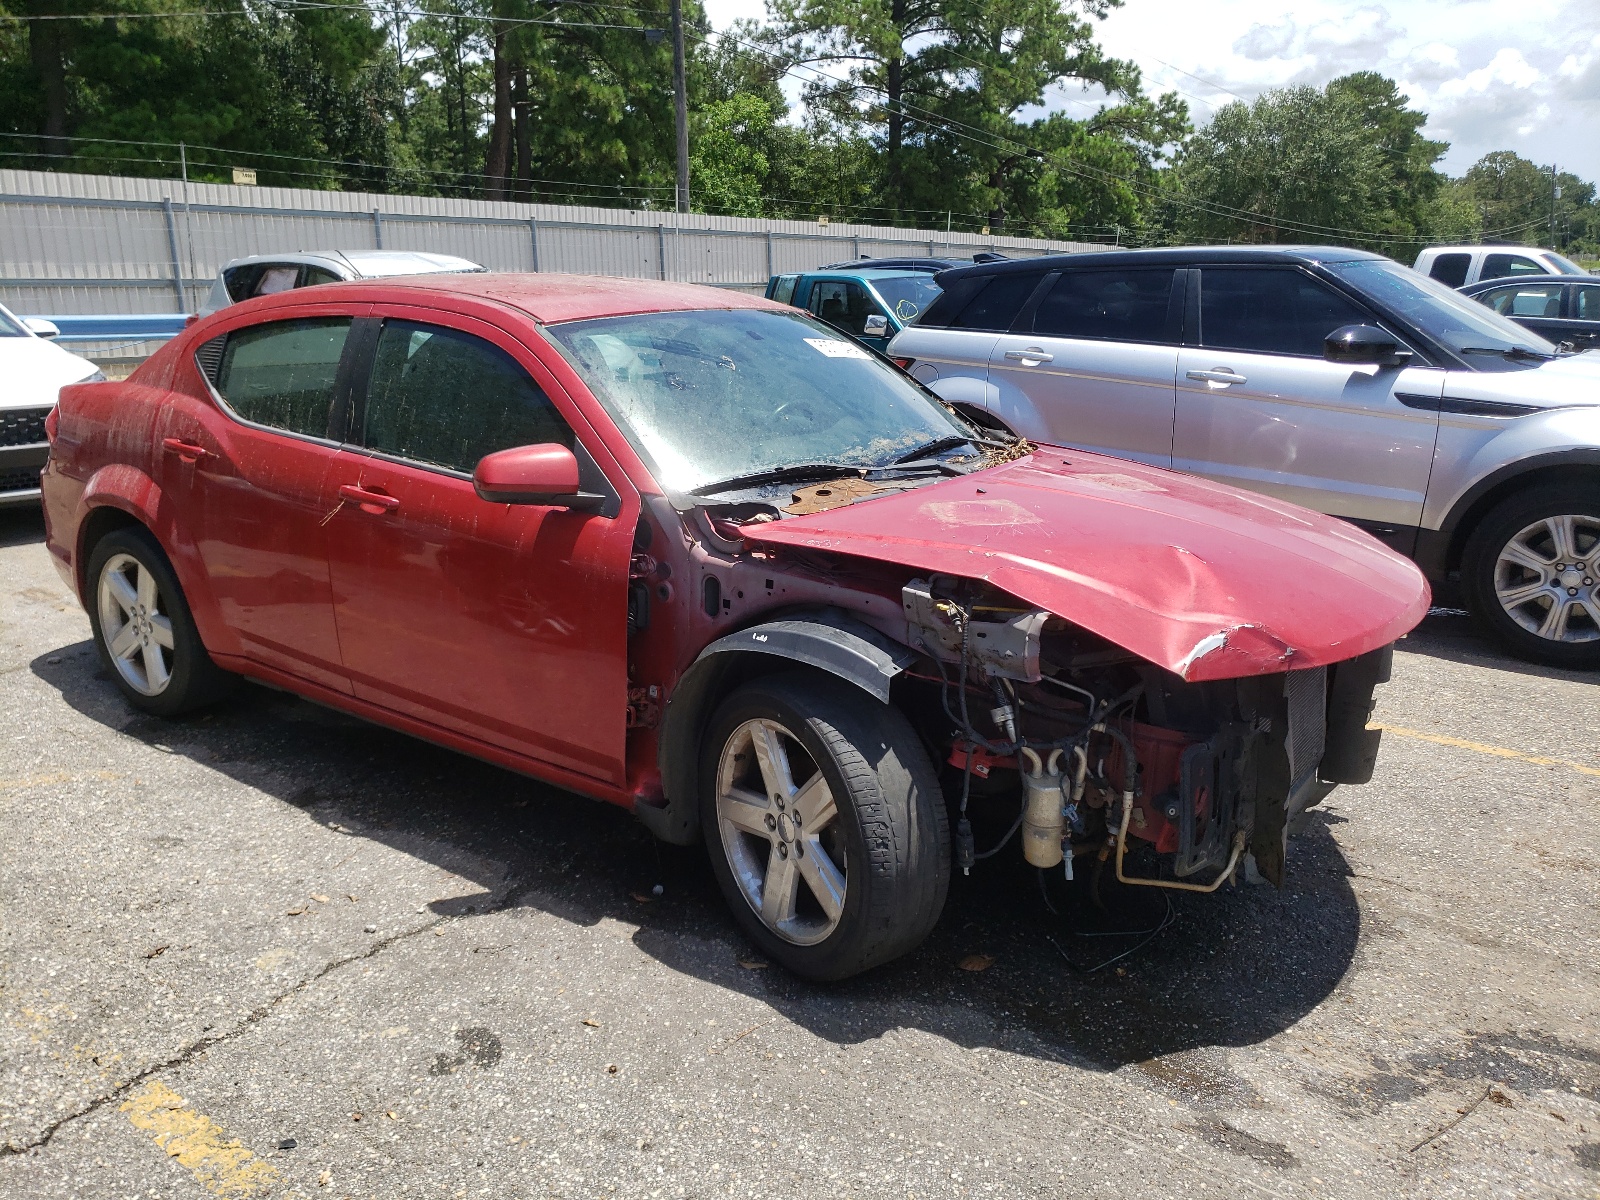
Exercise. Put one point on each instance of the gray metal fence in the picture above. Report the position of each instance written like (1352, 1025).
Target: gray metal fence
(104, 244)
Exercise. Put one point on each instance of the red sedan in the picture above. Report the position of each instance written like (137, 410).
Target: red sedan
(699, 555)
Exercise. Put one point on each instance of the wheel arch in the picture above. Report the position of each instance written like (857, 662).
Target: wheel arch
(119, 495)
(100, 520)
(1441, 554)
(825, 641)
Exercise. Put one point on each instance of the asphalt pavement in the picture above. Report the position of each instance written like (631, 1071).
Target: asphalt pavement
(272, 951)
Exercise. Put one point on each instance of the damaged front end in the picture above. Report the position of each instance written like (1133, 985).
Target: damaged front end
(1171, 783)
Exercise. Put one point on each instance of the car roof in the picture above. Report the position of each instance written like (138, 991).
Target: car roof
(552, 298)
(1484, 285)
(895, 266)
(1497, 247)
(1167, 256)
(368, 264)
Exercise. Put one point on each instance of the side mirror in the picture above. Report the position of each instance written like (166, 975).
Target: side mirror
(877, 326)
(546, 474)
(39, 327)
(1364, 345)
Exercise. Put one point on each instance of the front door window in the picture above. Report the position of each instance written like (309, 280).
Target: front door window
(843, 304)
(1495, 266)
(446, 398)
(1270, 311)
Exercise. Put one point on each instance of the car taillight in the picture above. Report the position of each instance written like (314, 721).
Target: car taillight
(903, 363)
(51, 421)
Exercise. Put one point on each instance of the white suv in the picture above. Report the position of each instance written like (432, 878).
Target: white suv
(1333, 378)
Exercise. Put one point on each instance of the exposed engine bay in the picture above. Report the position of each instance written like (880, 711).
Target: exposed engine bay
(1103, 753)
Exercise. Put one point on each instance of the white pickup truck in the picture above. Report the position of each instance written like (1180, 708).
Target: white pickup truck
(1458, 266)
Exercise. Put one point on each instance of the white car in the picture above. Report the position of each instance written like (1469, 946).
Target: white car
(267, 274)
(1458, 266)
(34, 369)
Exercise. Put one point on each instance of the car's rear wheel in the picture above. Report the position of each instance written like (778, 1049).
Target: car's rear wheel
(825, 824)
(143, 629)
(1532, 574)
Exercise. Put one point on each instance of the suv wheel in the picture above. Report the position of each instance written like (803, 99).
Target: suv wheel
(142, 627)
(1532, 573)
(825, 823)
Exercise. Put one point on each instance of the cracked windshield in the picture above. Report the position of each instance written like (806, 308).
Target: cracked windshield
(907, 295)
(713, 396)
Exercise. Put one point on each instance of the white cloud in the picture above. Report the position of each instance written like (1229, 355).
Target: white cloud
(1490, 77)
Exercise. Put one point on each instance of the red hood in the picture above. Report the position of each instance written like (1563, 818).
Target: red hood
(1207, 581)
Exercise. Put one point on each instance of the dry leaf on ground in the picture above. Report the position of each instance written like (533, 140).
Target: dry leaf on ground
(976, 962)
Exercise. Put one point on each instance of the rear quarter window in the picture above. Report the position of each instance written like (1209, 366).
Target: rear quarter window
(995, 306)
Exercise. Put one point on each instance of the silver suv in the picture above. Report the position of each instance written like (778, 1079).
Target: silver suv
(1334, 378)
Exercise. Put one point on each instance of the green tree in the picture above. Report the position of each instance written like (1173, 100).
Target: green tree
(1296, 165)
(1413, 182)
(245, 83)
(1515, 201)
(727, 169)
(944, 85)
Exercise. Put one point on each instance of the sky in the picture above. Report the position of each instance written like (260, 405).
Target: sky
(1491, 75)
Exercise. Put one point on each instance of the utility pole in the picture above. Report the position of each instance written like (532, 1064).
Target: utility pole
(1555, 194)
(680, 105)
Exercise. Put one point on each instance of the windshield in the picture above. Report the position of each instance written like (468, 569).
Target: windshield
(907, 295)
(1447, 316)
(10, 326)
(1564, 265)
(710, 395)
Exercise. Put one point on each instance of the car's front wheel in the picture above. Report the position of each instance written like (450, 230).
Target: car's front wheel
(143, 629)
(825, 823)
(1532, 574)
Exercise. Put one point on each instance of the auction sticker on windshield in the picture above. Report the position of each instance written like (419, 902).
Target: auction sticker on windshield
(834, 348)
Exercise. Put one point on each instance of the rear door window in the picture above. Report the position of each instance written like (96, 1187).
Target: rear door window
(1525, 300)
(1451, 269)
(1496, 266)
(1270, 310)
(1586, 302)
(282, 374)
(1122, 306)
(783, 288)
(997, 303)
(446, 398)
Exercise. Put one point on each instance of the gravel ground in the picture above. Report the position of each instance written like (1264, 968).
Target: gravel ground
(273, 951)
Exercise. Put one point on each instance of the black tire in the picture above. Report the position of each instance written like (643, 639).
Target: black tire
(192, 679)
(891, 829)
(1482, 571)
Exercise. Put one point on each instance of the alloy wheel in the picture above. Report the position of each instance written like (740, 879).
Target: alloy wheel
(780, 828)
(135, 625)
(1547, 578)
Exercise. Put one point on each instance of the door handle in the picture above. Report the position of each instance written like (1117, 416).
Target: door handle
(1221, 375)
(189, 452)
(1031, 354)
(376, 503)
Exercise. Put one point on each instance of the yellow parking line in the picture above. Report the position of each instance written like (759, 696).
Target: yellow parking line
(1537, 760)
(33, 781)
(219, 1163)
